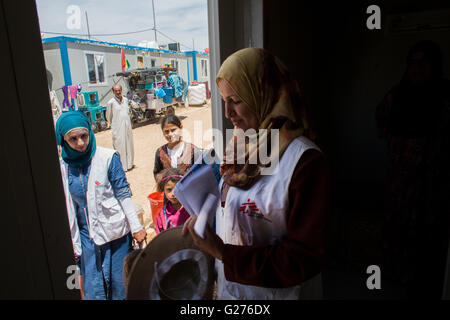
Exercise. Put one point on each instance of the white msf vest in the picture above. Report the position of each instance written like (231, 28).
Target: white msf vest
(106, 218)
(257, 216)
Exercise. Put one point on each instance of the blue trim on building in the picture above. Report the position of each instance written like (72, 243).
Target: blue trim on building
(63, 40)
(197, 52)
(103, 43)
(194, 62)
(65, 62)
(187, 60)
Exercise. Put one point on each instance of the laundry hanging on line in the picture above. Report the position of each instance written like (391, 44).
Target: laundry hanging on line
(70, 92)
(66, 104)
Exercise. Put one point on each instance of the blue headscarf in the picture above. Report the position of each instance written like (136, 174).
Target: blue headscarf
(66, 122)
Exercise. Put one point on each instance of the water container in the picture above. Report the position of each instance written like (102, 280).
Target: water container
(167, 99)
(169, 95)
(156, 203)
(168, 91)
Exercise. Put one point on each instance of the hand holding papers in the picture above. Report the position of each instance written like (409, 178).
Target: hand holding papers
(198, 192)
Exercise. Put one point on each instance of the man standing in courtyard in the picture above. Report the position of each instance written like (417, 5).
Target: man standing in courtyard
(117, 114)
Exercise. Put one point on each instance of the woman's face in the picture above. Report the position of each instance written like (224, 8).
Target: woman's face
(78, 139)
(168, 191)
(236, 110)
(172, 132)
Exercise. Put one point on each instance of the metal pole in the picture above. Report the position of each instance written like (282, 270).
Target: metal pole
(154, 21)
(193, 46)
(87, 22)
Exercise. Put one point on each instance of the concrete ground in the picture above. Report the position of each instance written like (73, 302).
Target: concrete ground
(147, 138)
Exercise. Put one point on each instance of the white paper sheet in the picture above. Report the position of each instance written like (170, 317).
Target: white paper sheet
(198, 192)
(206, 215)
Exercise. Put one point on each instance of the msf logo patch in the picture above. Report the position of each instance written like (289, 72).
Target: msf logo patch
(250, 209)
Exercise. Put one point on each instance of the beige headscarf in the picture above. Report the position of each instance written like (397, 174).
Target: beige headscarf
(263, 82)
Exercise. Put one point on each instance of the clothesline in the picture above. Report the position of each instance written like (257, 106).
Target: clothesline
(100, 100)
(111, 76)
(174, 85)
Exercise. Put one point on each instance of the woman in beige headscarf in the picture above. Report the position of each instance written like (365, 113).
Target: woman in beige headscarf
(270, 228)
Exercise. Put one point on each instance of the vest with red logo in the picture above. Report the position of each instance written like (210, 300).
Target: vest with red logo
(257, 216)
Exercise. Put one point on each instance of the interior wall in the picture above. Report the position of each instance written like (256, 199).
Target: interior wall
(35, 239)
(346, 69)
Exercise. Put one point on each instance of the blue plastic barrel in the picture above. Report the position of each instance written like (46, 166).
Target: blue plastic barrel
(167, 99)
(169, 95)
(168, 91)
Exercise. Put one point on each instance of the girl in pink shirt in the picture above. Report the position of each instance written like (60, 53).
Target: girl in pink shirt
(173, 214)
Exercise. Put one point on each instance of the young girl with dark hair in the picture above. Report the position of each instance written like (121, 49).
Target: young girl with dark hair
(173, 214)
(176, 153)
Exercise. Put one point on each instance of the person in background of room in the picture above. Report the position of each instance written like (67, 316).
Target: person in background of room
(414, 118)
(117, 114)
(176, 153)
(102, 216)
(172, 214)
(271, 228)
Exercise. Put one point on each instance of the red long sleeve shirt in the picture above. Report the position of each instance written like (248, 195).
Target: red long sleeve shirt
(298, 257)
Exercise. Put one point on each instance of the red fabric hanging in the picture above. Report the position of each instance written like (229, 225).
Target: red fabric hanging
(124, 61)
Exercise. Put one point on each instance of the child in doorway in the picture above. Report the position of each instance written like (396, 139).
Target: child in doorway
(176, 153)
(172, 214)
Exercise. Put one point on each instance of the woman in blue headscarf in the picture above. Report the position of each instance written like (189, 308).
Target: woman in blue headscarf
(102, 216)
